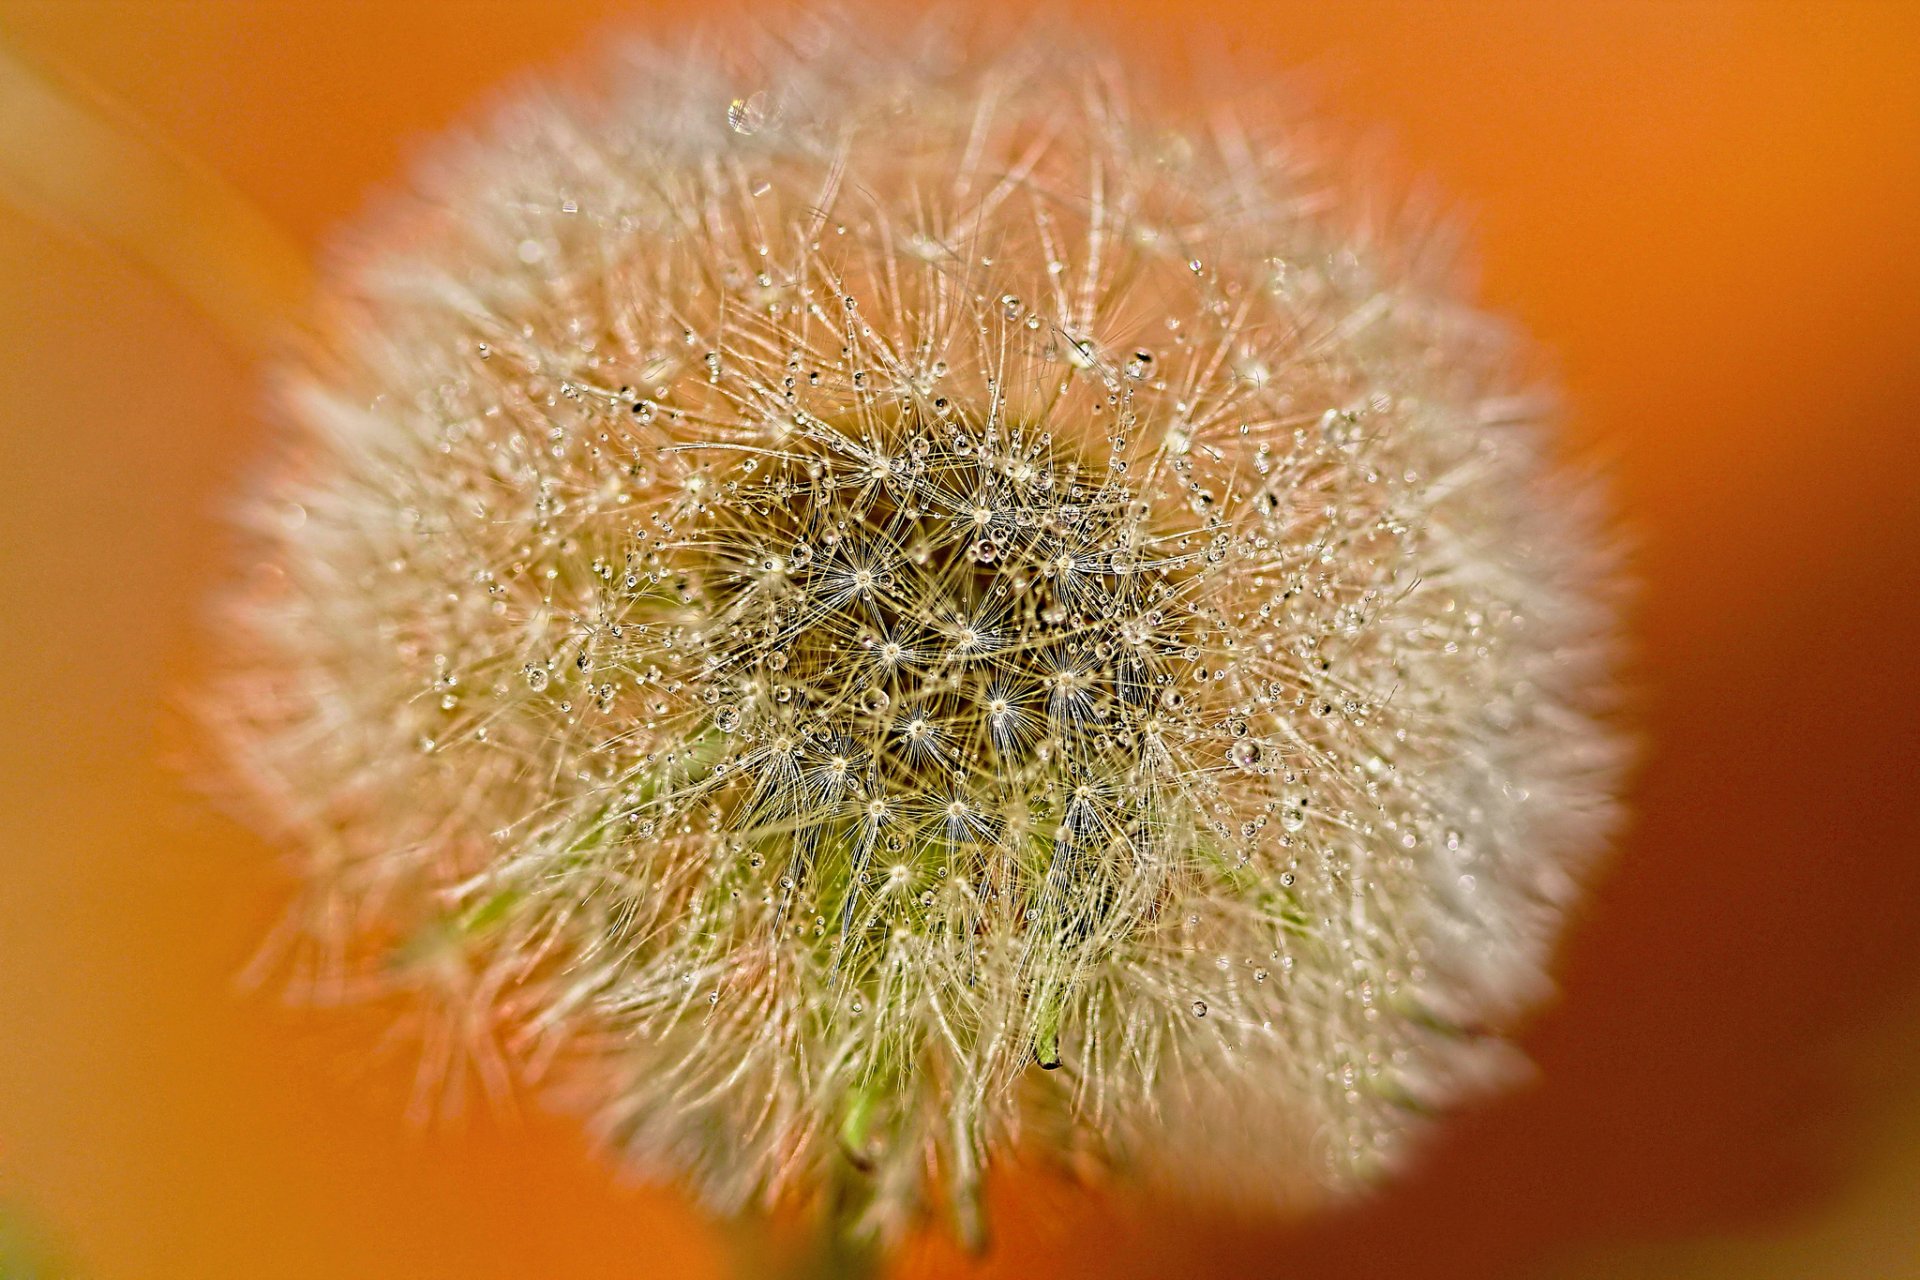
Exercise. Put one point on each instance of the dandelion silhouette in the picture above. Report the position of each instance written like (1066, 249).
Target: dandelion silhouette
(915, 611)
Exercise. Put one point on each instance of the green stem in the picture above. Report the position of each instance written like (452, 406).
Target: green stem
(835, 1251)
(833, 1246)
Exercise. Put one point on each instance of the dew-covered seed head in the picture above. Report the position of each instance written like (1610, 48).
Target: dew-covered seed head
(821, 596)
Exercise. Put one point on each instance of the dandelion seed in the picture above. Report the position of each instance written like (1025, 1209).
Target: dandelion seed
(932, 739)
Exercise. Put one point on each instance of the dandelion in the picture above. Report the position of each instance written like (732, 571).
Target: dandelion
(807, 627)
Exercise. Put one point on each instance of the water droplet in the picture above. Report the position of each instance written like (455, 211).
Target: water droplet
(1245, 754)
(537, 676)
(1341, 429)
(747, 116)
(727, 718)
(1199, 1008)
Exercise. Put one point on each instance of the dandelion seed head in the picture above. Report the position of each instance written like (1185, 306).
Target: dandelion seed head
(826, 597)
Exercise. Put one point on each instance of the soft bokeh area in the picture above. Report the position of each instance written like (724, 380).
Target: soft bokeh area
(1708, 213)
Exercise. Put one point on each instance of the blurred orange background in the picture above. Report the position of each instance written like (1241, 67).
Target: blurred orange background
(1709, 213)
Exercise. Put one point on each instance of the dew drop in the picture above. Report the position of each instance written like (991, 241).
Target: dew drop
(1199, 1008)
(746, 116)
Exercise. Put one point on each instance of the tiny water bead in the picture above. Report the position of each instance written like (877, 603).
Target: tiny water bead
(747, 116)
(858, 648)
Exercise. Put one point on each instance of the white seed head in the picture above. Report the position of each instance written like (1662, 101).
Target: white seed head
(820, 596)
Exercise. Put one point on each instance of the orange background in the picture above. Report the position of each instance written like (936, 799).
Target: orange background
(1708, 212)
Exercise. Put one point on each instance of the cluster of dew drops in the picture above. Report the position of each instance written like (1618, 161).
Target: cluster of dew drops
(902, 668)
